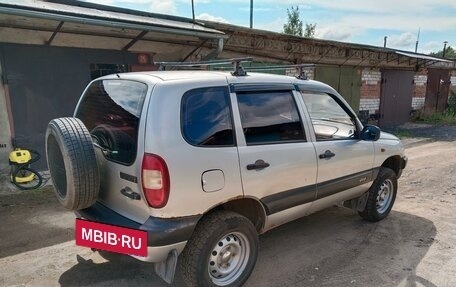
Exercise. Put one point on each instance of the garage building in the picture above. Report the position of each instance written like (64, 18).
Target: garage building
(50, 50)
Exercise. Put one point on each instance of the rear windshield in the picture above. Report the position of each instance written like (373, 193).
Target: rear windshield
(111, 109)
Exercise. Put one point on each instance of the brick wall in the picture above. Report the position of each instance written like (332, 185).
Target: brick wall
(371, 105)
(371, 76)
(370, 84)
(420, 82)
(370, 90)
(419, 89)
(417, 103)
(453, 81)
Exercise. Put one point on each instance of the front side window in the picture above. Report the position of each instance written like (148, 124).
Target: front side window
(330, 121)
(111, 109)
(270, 118)
(206, 117)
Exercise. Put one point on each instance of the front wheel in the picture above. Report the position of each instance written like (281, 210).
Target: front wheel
(222, 251)
(382, 195)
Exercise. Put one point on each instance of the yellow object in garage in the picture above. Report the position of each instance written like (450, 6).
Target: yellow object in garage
(20, 156)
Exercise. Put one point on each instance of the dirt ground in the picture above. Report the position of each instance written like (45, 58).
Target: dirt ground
(414, 246)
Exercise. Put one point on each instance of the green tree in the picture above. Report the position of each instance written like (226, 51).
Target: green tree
(294, 24)
(450, 53)
(309, 32)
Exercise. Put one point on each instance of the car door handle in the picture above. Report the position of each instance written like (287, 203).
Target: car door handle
(259, 164)
(130, 193)
(328, 154)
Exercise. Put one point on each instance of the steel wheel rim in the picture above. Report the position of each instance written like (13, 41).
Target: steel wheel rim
(385, 196)
(228, 258)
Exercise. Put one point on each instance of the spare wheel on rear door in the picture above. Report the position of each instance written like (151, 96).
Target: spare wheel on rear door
(72, 163)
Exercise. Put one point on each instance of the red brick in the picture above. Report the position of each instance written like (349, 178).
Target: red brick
(419, 91)
(370, 91)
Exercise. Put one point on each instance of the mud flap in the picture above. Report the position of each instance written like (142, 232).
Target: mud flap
(357, 204)
(166, 269)
(362, 201)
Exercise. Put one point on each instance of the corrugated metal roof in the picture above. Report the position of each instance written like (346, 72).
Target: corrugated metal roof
(101, 14)
(423, 57)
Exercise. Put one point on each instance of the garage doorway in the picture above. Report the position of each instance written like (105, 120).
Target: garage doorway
(396, 97)
(345, 80)
(437, 90)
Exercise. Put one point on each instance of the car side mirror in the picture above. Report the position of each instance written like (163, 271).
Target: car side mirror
(370, 133)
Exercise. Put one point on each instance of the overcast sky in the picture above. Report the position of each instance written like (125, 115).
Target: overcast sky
(355, 21)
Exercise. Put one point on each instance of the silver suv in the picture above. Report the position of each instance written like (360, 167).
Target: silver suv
(201, 163)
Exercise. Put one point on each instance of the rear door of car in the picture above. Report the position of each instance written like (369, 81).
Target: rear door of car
(277, 161)
(345, 163)
(113, 111)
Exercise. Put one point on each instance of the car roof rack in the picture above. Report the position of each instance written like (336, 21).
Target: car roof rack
(300, 68)
(236, 62)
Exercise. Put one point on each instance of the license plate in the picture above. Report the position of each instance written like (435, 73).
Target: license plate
(111, 238)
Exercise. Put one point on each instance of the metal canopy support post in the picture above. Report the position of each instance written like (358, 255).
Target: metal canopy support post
(214, 54)
(403, 61)
(429, 63)
(48, 42)
(349, 57)
(392, 58)
(194, 50)
(136, 39)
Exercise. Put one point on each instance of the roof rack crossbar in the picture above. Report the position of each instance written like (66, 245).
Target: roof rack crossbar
(279, 67)
(300, 69)
(238, 61)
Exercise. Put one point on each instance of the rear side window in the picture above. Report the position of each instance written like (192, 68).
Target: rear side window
(111, 109)
(270, 118)
(206, 117)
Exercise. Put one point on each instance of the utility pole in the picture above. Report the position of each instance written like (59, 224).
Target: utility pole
(193, 11)
(417, 40)
(251, 14)
(444, 48)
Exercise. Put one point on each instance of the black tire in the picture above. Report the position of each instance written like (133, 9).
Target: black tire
(72, 163)
(196, 259)
(376, 208)
(116, 140)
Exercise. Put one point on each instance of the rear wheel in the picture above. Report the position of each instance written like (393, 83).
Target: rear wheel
(382, 195)
(222, 251)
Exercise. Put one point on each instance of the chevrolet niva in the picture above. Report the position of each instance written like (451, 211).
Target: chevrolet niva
(197, 164)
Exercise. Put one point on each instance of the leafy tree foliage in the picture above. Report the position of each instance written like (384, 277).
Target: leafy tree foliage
(450, 53)
(309, 32)
(294, 25)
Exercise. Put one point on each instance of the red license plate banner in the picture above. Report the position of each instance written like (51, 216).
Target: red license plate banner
(111, 238)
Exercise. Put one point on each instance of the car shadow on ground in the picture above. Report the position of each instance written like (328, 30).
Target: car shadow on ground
(330, 248)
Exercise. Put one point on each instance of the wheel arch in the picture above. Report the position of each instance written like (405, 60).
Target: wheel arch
(394, 163)
(249, 207)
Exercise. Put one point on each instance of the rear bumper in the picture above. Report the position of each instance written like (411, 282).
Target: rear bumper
(163, 234)
(160, 253)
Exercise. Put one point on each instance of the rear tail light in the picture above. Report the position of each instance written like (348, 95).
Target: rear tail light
(155, 180)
